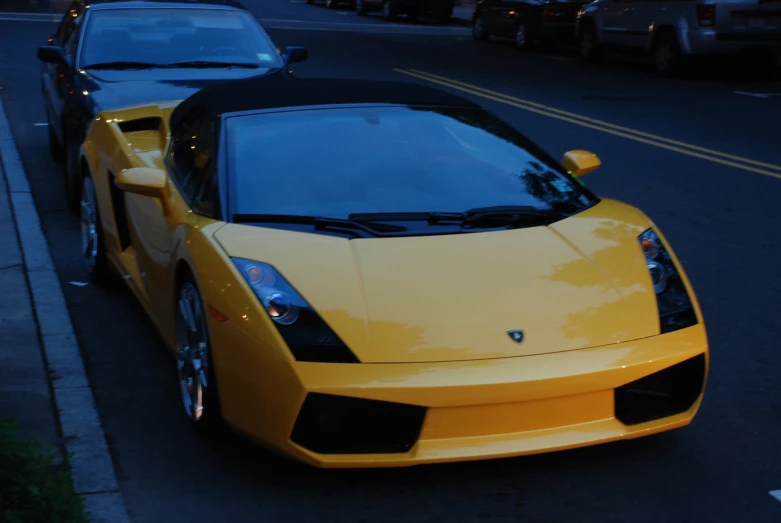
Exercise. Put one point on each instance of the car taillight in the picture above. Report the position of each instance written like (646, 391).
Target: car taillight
(706, 15)
(548, 13)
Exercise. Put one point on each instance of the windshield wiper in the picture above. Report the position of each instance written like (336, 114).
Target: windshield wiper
(321, 223)
(126, 65)
(431, 217)
(208, 64)
(511, 214)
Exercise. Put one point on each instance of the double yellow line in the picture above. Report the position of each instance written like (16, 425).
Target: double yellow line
(710, 155)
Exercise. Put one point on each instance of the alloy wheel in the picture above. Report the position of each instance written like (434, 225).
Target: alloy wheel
(192, 352)
(89, 225)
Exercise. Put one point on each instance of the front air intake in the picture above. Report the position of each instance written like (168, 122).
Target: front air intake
(665, 393)
(330, 424)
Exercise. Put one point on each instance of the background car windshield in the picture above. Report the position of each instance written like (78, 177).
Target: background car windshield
(334, 162)
(164, 36)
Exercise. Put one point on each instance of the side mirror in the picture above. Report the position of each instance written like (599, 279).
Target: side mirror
(581, 162)
(145, 182)
(52, 54)
(295, 54)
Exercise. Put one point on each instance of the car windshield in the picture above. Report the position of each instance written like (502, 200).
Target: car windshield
(170, 36)
(335, 162)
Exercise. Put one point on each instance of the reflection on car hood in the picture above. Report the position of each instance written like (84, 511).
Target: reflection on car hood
(111, 89)
(581, 282)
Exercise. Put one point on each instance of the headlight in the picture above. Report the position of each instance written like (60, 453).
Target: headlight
(304, 331)
(675, 307)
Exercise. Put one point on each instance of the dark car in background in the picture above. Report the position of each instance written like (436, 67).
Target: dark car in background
(332, 4)
(526, 21)
(112, 54)
(442, 10)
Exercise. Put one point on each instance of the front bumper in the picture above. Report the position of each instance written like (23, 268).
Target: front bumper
(468, 410)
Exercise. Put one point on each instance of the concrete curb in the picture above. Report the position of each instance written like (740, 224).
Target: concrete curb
(90, 463)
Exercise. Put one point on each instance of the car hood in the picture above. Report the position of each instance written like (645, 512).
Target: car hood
(581, 282)
(111, 89)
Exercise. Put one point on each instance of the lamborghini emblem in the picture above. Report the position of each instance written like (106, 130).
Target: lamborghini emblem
(516, 335)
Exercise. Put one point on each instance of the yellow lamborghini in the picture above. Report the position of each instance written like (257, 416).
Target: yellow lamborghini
(364, 274)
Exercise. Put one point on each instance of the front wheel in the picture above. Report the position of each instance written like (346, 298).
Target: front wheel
(194, 369)
(93, 249)
(521, 36)
(478, 31)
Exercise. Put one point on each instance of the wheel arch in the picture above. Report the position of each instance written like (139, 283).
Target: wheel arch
(659, 32)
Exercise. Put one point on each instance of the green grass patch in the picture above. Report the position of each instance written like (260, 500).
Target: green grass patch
(32, 488)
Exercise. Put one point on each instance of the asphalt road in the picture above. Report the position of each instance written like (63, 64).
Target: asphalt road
(721, 214)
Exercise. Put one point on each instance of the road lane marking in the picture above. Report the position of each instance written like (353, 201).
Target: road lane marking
(704, 153)
(776, 494)
(44, 124)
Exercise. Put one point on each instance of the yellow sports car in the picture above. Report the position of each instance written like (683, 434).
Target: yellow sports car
(363, 274)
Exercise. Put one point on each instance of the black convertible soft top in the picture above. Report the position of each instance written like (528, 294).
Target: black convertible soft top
(275, 90)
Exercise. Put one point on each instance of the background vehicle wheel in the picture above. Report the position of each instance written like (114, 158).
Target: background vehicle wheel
(55, 147)
(588, 44)
(92, 247)
(521, 36)
(388, 11)
(360, 8)
(330, 4)
(72, 180)
(194, 369)
(478, 32)
(668, 56)
(310, 1)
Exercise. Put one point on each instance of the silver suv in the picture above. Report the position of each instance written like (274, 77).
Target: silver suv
(671, 30)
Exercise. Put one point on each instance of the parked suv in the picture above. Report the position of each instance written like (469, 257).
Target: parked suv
(671, 30)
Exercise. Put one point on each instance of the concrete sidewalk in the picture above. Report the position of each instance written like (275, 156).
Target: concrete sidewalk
(42, 378)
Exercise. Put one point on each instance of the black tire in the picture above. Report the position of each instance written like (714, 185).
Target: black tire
(55, 147)
(93, 247)
(478, 33)
(73, 179)
(330, 4)
(310, 1)
(668, 56)
(360, 8)
(210, 422)
(588, 43)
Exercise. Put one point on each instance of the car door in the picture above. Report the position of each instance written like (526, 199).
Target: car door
(56, 78)
(491, 15)
(619, 17)
(157, 235)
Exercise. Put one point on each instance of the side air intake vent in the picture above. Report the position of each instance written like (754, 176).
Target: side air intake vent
(151, 123)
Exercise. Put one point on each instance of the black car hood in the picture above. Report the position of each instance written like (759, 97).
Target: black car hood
(111, 89)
